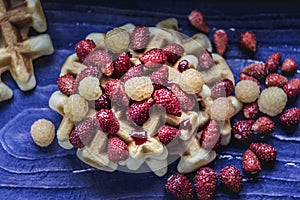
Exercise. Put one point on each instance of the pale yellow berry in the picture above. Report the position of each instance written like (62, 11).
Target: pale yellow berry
(42, 132)
(76, 107)
(247, 91)
(139, 88)
(221, 109)
(191, 81)
(173, 75)
(89, 88)
(272, 101)
(117, 40)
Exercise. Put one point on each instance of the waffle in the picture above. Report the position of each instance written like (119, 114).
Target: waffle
(152, 152)
(16, 47)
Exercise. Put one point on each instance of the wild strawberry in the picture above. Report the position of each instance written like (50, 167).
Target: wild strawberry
(116, 92)
(197, 19)
(231, 178)
(100, 59)
(86, 72)
(276, 80)
(83, 48)
(173, 52)
(272, 62)
(289, 66)
(247, 41)
(138, 112)
(153, 58)
(251, 110)
(121, 65)
(65, 84)
(106, 121)
(183, 65)
(220, 40)
(140, 37)
(263, 125)
(187, 101)
(292, 88)
(250, 163)
(135, 71)
(82, 134)
(168, 101)
(167, 133)
(206, 182)
(179, 186)
(159, 77)
(103, 102)
(222, 88)
(205, 60)
(210, 137)
(247, 77)
(117, 149)
(265, 152)
(257, 70)
(242, 130)
(290, 117)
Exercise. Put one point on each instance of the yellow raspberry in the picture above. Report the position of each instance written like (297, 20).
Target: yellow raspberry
(76, 107)
(117, 40)
(139, 88)
(272, 101)
(221, 109)
(247, 91)
(89, 88)
(191, 81)
(42, 132)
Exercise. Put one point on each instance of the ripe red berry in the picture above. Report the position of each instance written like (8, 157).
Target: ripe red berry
(100, 59)
(117, 149)
(222, 88)
(257, 70)
(205, 60)
(140, 37)
(272, 62)
(206, 182)
(121, 65)
(187, 101)
(231, 178)
(242, 130)
(292, 88)
(83, 48)
(135, 71)
(247, 41)
(138, 112)
(153, 58)
(251, 110)
(173, 52)
(197, 19)
(290, 117)
(263, 125)
(103, 102)
(250, 163)
(183, 65)
(116, 92)
(179, 186)
(264, 152)
(167, 133)
(159, 77)
(289, 66)
(106, 121)
(275, 80)
(210, 137)
(220, 40)
(247, 77)
(65, 84)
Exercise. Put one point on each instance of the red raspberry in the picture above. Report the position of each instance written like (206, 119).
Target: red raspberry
(220, 40)
(289, 66)
(106, 121)
(121, 65)
(187, 101)
(206, 182)
(256, 70)
(140, 37)
(83, 133)
(153, 58)
(159, 77)
(250, 163)
(205, 60)
(167, 133)
(263, 125)
(65, 84)
(247, 40)
(210, 137)
(247, 77)
(251, 110)
(222, 88)
(276, 80)
(103, 102)
(264, 152)
(168, 101)
(116, 92)
(290, 117)
(197, 19)
(179, 186)
(86, 72)
(100, 59)
(83, 48)
(135, 71)
(242, 130)
(173, 52)
(117, 149)
(231, 178)
(292, 88)
(138, 112)
(183, 65)
(273, 61)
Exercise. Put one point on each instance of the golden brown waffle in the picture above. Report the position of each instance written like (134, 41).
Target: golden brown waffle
(17, 49)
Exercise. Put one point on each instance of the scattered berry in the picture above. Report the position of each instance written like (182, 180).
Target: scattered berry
(250, 78)
(153, 58)
(247, 91)
(247, 41)
(179, 186)
(140, 37)
(103, 102)
(290, 117)
(121, 65)
(167, 133)
(83, 48)
(210, 137)
(42, 132)
(100, 59)
(135, 71)
(187, 101)
(264, 152)
(205, 60)
(272, 62)
(83, 133)
(139, 88)
(106, 121)
(276, 80)
(250, 163)
(191, 81)
(159, 77)
(138, 112)
(206, 182)
(257, 70)
(222, 88)
(65, 84)
(292, 88)
(173, 52)
(220, 39)
(116, 92)
(197, 19)
(117, 149)
(231, 178)
(289, 66)
(117, 40)
(263, 125)
(221, 109)
(251, 110)
(242, 130)
(183, 65)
